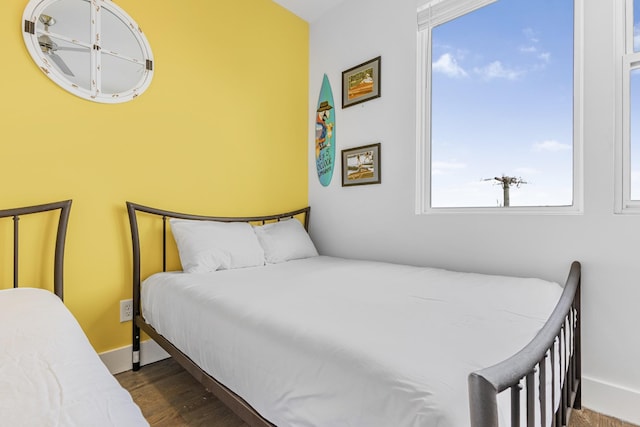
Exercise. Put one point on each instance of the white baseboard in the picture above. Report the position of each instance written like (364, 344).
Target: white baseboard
(611, 399)
(119, 360)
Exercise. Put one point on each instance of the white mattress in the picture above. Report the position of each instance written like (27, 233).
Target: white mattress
(49, 373)
(332, 342)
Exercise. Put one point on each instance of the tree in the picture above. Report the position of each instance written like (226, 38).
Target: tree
(507, 182)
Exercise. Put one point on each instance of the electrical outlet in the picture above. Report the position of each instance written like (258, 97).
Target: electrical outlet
(126, 310)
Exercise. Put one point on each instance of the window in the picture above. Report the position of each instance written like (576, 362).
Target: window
(628, 156)
(498, 107)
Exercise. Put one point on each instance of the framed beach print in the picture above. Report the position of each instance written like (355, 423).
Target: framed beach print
(361, 165)
(361, 83)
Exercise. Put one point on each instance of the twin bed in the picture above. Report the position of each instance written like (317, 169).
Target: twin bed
(49, 373)
(286, 337)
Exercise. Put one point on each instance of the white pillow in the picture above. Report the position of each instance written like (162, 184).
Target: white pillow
(206, 246)
(285, 240)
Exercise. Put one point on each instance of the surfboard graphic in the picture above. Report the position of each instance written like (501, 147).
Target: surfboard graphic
(325, 133)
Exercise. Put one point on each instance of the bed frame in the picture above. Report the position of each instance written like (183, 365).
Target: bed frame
(63, 221)
(557, 342)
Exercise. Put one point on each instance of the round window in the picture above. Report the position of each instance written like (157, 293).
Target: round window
(92, 49)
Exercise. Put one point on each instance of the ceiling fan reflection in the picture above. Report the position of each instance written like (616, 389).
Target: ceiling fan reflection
(50, 47)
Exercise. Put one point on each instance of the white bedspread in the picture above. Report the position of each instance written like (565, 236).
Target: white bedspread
(49, 373)
(332, 342)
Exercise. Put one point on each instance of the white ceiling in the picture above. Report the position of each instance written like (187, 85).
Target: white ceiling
(309, 10)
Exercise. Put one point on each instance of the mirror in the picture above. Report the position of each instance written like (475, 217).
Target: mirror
(90, 48)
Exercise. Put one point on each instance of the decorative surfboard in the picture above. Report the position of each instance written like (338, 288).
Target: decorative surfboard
(325, 133)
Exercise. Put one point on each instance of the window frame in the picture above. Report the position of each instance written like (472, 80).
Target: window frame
(436, 12)
(626, 57)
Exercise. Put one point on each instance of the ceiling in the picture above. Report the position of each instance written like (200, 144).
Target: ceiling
(309, 10)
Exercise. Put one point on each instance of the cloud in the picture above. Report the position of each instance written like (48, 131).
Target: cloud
(533, 46)
(551, 146)
(545, 56)
(448, 66)
(530, 35)
(441, 168)
(496, 70)
(528, 49)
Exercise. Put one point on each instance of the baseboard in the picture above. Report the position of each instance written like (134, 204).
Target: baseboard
(119, 360)
(611, 399)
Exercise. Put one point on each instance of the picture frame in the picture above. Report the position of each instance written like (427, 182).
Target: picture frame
(361, 165)
(361, 83)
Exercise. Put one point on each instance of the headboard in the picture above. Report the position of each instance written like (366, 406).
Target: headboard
(134, 209)
(63, 220)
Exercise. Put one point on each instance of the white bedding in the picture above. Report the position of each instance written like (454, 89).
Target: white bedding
(49, 373)
(331, 342)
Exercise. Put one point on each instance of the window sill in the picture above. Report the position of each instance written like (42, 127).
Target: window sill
(512, 210)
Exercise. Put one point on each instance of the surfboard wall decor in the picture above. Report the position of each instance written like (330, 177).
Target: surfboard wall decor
(325, 133)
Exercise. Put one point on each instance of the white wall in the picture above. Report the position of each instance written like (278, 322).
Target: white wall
(378, 221)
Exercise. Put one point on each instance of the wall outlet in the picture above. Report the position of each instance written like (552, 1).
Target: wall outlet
(126, 310)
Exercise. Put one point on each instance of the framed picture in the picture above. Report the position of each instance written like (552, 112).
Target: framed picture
(361, 165)
(361, 83)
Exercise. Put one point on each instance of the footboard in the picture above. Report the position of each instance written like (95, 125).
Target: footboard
(547, 372)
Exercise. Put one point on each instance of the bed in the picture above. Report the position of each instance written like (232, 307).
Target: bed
(313, 340)
(49, 373)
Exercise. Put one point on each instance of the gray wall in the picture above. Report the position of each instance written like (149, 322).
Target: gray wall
(379, 221)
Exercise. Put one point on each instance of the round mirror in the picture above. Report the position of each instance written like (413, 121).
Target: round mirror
(92, 49)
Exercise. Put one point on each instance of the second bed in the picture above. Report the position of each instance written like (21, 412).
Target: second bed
(324, 341)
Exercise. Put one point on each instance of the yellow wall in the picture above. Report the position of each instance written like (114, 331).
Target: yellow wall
(221, 130)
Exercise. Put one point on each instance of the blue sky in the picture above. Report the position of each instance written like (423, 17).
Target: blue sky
(635, 109)
(502, 104)
(635, 139)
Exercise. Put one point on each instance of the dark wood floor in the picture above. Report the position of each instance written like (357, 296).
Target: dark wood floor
(169, 396)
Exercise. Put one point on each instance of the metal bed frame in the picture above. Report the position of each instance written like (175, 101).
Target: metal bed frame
(63, 221)
(558, 341)
(228, 397)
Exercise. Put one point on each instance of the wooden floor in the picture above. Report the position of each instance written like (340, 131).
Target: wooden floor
(169, 396)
